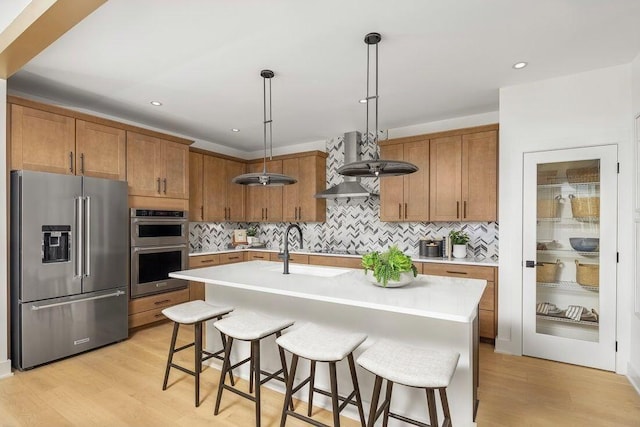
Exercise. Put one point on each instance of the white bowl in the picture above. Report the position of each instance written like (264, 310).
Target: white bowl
(405, 279)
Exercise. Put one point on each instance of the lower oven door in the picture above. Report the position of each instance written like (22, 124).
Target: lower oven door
(150, 268)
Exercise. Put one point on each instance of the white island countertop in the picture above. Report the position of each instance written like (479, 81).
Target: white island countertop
(445, 298)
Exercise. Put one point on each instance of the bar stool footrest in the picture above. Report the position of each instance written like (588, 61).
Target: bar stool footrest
(409, 420)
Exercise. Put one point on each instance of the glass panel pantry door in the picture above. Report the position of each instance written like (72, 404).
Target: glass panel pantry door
(569, 249)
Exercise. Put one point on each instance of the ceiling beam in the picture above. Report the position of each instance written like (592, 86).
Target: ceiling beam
(40, 24)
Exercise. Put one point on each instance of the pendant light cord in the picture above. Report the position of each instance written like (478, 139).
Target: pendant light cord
(264, 124)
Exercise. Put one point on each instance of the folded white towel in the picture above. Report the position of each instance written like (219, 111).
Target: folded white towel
(574, 312)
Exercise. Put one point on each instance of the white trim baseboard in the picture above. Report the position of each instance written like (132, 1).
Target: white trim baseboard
(5, 369)
(633, 374)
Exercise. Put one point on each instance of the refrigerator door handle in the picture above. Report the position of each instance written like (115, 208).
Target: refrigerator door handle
(35, 307)
(87, 243)
(79, 240)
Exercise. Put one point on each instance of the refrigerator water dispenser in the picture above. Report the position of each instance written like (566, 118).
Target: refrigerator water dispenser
(56, 243)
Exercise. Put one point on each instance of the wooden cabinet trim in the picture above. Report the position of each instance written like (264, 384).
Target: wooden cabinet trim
(453, 132)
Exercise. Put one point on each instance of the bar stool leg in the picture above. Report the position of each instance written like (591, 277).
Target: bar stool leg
(445, 407)
(170, 359)
(387, 403)
(255, 350)
(289, 391)
(431, 402)
(198, 358)
(312, 381)
(225, 367)
(334, 394)
(285, 372)
(251, 369)
(223, 338)
(356, 388)
(374, 401)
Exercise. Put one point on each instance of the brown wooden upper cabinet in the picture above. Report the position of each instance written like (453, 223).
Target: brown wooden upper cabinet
(264, 204)
(196, 202)
(463, 184)
(298, 201)
(222, 199)
(157, 167)
(406, 198)
(50, 142)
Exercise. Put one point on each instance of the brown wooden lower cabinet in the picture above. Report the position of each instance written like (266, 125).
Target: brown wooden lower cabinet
(231, 257)
(196, 289)
(147, 310)
(488, 310)
(258, 256)
(293, 258)
(336, 261)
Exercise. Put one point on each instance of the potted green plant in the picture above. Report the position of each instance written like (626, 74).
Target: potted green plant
(390, 269)
(252, 233)
(459, 240)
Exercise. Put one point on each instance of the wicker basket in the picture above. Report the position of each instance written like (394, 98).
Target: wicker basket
(548, 208)
(587, 274)
(585, 207)
(547, 177)
(547, 272)
(590, 174)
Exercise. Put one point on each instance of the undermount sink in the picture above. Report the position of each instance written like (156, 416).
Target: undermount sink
(311, 270)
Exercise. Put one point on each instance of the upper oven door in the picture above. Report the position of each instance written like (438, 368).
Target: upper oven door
(158, 232)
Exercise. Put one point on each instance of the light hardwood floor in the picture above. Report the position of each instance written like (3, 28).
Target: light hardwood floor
(121, 385)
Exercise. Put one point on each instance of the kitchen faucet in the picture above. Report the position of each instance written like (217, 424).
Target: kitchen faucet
(285, 254)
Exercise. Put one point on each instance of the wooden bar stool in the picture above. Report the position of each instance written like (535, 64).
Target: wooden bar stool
(413, 367)
(252, 327)
(188, 313)
(321, 344)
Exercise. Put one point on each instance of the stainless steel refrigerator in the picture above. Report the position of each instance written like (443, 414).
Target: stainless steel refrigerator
(69, 265)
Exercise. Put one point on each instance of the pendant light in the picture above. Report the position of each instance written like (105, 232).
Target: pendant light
(375, 167)
(264, 178)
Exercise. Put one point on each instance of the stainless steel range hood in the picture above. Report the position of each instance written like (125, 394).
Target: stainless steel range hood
(350, 187)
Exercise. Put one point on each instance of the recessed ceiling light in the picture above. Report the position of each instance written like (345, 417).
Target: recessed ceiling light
(235, 130)
(156, 103)
(363, 101)
(519, 65)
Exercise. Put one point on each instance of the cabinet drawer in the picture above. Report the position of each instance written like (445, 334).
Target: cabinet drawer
(196, 291)
(146, 317)
(232, 257)
(487, 324)
(487, 302)
(459, 270)
(160, 301)
(204, 261)
(293, 258)
(258, 256)
(335, 261)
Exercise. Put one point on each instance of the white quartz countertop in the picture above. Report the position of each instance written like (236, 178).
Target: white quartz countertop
(446, 298)
(487, 262)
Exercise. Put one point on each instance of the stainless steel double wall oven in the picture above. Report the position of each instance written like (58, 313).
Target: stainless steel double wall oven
(159, 246)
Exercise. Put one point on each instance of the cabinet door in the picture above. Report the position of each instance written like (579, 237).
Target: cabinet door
(480, 176)
(42, 141)
(290, 200)
(144, 165)
(311, 180)
(273, 195)
(235, 192)
(445, 180)
(264, 203)
(214, 189)
(175, 180)
(416, 185)
(392, 187)
(100, 151)
(255, 202)
(196, 206)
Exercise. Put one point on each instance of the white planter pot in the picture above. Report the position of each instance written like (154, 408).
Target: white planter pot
(405, 279)
(251, 240)
(459, 251)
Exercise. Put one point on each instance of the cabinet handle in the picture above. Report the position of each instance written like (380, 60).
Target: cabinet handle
(164, 301)
(458, 209)
(164, 182)
(202, 212)
(261, 213)
(203, 261)
(159, 315)
(405, 211)
(400, 210)
(266, 213)
(295, 213)
(234, 257)
(457, 272)
(158, 181)
(226, 216)
(82, 163)
(258, 257)
(464, 209)
(299, 213)
(229, 213)
(71, 161)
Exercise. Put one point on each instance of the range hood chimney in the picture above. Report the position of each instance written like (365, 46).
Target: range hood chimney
(350, 187)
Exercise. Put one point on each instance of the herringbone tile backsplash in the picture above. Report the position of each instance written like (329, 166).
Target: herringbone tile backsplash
(351, 224)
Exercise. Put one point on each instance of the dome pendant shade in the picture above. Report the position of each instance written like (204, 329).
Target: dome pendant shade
(375, 167)
(264, 178)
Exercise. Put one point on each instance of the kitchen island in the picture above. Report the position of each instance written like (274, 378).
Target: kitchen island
(433, 311)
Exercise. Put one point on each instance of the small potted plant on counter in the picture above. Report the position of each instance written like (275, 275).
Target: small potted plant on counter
(252, 232)
(389, 269)
(459, 240)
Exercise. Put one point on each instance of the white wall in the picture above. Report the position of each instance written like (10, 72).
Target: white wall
(585, 109)
(633, 369)
(5, 363)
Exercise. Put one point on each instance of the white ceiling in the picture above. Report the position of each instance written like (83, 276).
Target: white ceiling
(202, 58)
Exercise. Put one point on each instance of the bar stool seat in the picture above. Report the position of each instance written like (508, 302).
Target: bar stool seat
(321, 344)
(193, 313)
(410, 366)
(252, 327)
